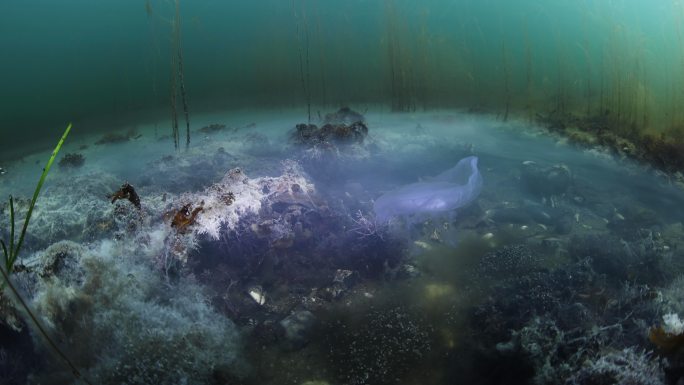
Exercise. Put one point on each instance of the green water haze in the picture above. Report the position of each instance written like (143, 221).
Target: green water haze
(108, 63)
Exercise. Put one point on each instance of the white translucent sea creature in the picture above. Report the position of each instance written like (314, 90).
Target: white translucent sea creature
(454, 188)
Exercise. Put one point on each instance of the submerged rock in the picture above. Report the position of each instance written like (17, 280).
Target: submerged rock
(347, 278)
(546, 181)
(298, 327)
(344, 115)
(155, 332)
(343, 126)
(9, 316)
(60, 260)
(340, 133)
(72, 160)
(408, 271)
(237, 197)
(343, 281)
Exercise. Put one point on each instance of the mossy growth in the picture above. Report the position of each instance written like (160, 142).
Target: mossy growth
(666, 342)
(12, 252)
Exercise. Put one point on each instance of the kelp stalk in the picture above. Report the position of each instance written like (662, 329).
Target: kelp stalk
(304, 74)
(178, 81)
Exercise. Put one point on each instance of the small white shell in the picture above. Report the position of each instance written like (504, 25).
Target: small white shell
(257, 295)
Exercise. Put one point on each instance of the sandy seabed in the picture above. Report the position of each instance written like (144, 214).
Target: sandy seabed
(254, 259)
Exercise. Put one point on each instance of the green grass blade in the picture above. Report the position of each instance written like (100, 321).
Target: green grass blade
(13, 257)
(11, 239)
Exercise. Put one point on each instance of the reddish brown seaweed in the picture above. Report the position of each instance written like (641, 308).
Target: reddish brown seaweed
(127, 192)
(185, 217)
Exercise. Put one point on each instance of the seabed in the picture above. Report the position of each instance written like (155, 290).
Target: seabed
(255, 258)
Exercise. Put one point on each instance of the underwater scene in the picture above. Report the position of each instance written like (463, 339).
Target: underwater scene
(342, 192)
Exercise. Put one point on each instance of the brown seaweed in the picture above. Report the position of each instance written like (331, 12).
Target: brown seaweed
(667, 342)
(127, 192)
(186, 217)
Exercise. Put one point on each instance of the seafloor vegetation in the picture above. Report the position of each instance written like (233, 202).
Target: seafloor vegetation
(255, 257)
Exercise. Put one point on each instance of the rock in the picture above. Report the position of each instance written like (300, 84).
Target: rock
(346, 277)
(9, 317)
(407, 271)
(344, 115)
(564, 224)
(554, 180)
(60, 260)
(509, 347)
(72, 160)
(224, 374)
(342, 133)
(298, 327)
(266, 332)
(343, 280)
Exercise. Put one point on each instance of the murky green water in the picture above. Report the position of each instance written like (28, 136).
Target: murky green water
(266, 192)
(108, 63)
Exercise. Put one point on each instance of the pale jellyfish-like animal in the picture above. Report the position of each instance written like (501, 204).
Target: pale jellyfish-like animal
(454, 188)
